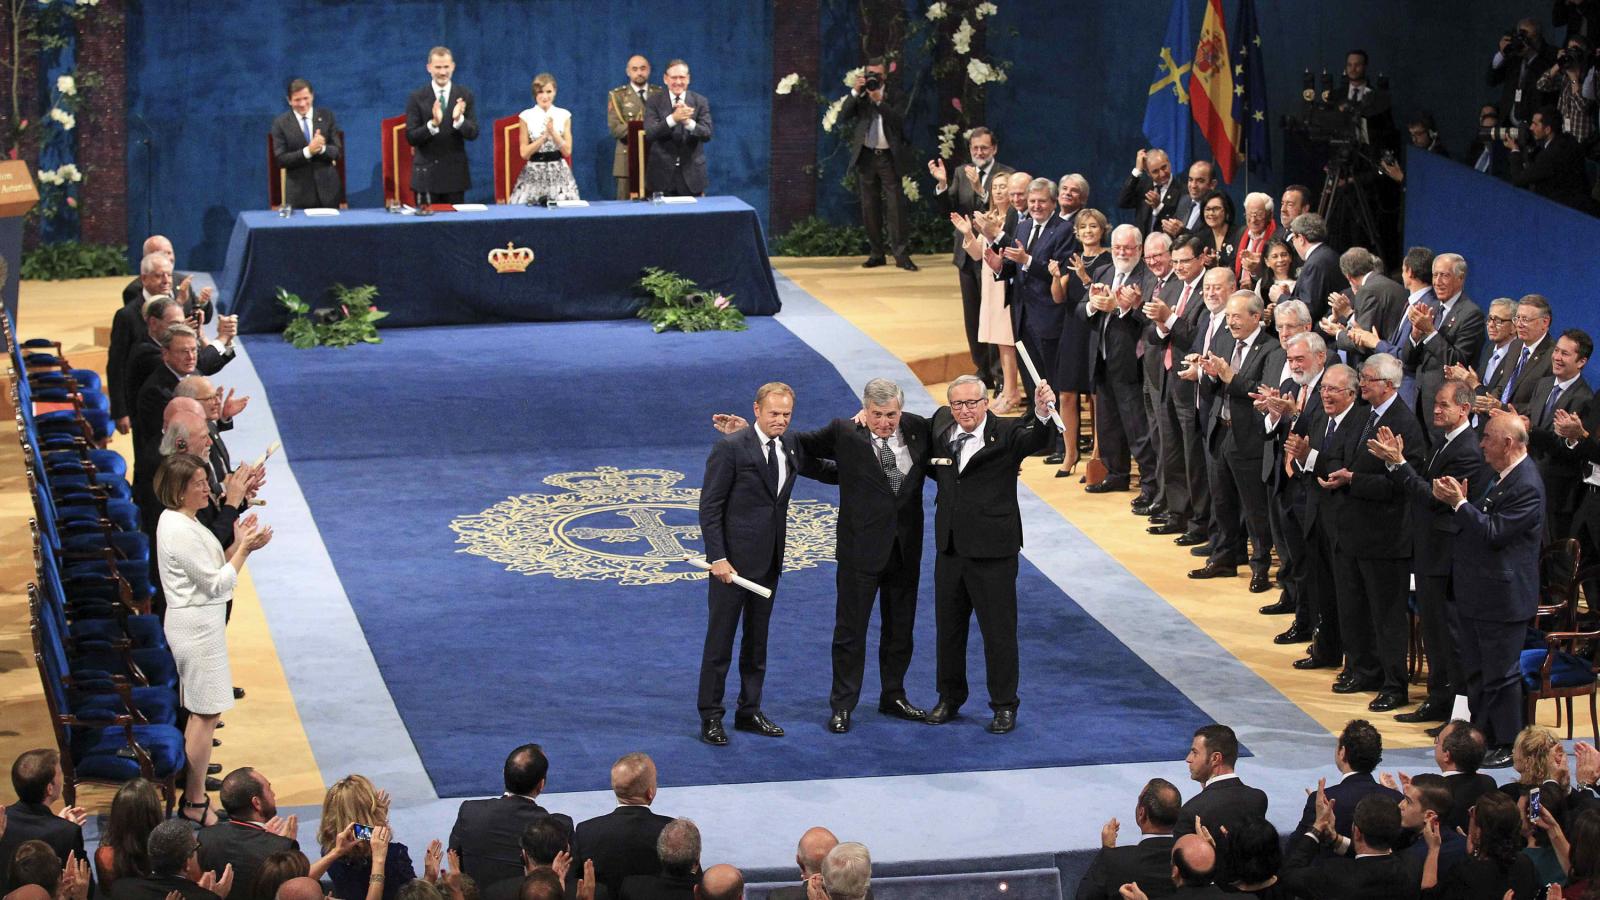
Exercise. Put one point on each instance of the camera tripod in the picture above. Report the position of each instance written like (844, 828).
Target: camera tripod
(1339, 187)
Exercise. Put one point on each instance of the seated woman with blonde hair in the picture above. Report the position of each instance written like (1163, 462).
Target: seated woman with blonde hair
(350, 803)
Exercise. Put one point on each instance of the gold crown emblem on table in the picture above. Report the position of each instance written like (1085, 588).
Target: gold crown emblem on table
(510, 258)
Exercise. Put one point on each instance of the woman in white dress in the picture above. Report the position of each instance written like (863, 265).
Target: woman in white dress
(994, 317)
(546, 140)
(197, 576)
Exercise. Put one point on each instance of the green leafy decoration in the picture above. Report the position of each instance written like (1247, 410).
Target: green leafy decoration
(677, 302)
(353, 322)
(74, 259)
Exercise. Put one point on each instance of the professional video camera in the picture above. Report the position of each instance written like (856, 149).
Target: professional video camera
(1332, 123)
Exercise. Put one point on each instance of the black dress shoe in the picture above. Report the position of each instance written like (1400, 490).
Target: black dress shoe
(1004, 721)
(1281, 608)
(941, 713)
(758, 724)
(1259, 583)
(907, 264)
(1055, 459)
(1497, 758)
(1355, 686)
(238, 693)
(1430, 711)
(711, 732)
(1435, 730)
(213, 784)
(214, 768)
(216, 742)
(902, 709)
(1143, 508)
(1167, 527)
(1106, 487)
(1313, 662)
(1214, 570)
(1203, 548)
(839, 722)
(1189, 539)
(1387, 700)
(873, 262)
(221, 725)
(1295, 634)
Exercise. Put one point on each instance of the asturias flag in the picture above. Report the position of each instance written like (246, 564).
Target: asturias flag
(1166, 114)
(1213, 93)
(1250, 91)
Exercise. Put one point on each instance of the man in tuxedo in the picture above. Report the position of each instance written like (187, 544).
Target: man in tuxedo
(1375, 304)
(306, 143)
(1224, 801)
(1113, 309)
(1375, 871)
(488, 833)
(440, 119)
(622, 842)
(1298, 395)
(1560, 466)
(744, 511)
(1496, 576)
(1149, 191)
(966, 194)
(36, 781)
(626, 104)
(1175, 302)
(1371, 571)
(1552, 165)
(251, 833)
(1357, 754)
(678, 872)
(1433, 532)
(1147, 863)
(1040, 238)
(1237, 436)
(1319, 275)
(977, 535)
(1185, 217)
(1446, 330)
(677, 124)
(880, 154)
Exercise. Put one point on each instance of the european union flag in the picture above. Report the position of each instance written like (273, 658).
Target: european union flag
(1250, 91)
(1166, 114)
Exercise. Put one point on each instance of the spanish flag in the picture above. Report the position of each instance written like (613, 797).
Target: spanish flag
(1212, 91)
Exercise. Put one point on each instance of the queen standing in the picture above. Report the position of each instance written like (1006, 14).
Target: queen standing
(546, 145)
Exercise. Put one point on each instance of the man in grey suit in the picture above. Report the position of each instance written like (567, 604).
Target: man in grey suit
(677, 122)
(881, 154)
(1448, 331)
(964, 195)
(1374, 303)
(307, 145)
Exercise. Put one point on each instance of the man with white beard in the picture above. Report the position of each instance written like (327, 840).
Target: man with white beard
(1113, 310)
(1298, 395)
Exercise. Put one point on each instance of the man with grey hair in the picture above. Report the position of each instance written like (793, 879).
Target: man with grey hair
(978, 535)
(847, 872)
(1446, 332)
(1319, 275)
(1114, 310)
(1499, 327)
(1321, 442)
(1072, 195)
(881, 459)
(1036, 316)
(1374, 303)
(1259, 226)
(175, 868)
(1372, 569)
(1172, 304)
(678, 848)
(721, 882)
(1282, 395)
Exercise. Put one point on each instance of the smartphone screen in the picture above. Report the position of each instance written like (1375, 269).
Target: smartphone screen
(363, 832)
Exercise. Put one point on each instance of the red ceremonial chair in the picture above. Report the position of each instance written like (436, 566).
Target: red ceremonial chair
(396, 160)
(278, 177)
(508, 161)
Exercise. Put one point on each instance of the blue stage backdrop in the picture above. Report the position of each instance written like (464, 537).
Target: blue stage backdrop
(428, 442)
(206, 79)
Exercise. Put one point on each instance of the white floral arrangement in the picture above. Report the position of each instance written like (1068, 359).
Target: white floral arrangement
(63, 174)
(936, 11)
(961, 41)
(982, 73)
(984, 10)
(787, 84)
(947, 139)
(67, 85)
(66, 120)
(910, 188)
(831, 117)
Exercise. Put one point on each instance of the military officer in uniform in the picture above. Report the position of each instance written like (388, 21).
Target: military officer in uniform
(626, 104)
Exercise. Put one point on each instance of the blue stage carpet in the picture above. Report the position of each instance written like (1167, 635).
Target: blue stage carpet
(393, 443)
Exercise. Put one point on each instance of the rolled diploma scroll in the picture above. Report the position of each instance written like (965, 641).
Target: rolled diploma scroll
(1022, 354)
(273, 448)
(699, 562)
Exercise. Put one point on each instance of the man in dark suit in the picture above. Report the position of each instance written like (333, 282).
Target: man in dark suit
(1369, 102)
(1185, 219)
(177, 361)
(881, 155)
(542, 841)
(964, 195)
(440, 119)
(1319, 275)
(1376, 304)
(677, 124)
(174, 868)
(1561, 467)
(306, 143)
(1224, 801)
(678, 849)
(1237, 436)
(36, 780)
(249, 835)
(1579, 435)
(1174, 311)
(1149, 191)
(1488, 157)
(488, 833)
(1448, 331)
(815, 845)
(127, 323)
(1433, 531)
(1459, 750)
(1499, 347)
(1040, 238)
(1520, 59)
(1357, 754)
(1374, 872)
(1298, 395)
(1114, 310)
(1371, 571)
(1147, 863)
(1416, 273)
(744, 511)
(1158, 284)
(977, 535)
(1496, 579)
(1192, 398)
(622, 843)
(1552, 165)
(1526, 360)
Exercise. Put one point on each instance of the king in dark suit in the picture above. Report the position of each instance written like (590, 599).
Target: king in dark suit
(306, 143)
(744, 517)
(677, 123)
(440, 119)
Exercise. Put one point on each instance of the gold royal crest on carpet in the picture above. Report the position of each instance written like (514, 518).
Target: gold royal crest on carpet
(629, 525)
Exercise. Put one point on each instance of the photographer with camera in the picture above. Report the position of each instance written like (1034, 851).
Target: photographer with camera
(1487, 154)
(881, 154)
(1368, 101)
(1572, 80)
(1549, 162)
(1521, 59)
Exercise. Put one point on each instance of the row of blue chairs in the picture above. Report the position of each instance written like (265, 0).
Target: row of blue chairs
(109, 679)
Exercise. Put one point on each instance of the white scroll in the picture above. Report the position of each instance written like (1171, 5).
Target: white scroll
(1022, 354)
(699, 562)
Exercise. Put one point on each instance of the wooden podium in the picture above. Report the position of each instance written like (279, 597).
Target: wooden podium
(18, 194)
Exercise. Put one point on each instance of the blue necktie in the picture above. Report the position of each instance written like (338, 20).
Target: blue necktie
(955, 447)
(1404, 331)
(1505, 395)
(305, 126)
(1550, 404)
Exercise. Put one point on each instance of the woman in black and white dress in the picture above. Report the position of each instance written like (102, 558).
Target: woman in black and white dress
(546, 145)
(197, 577)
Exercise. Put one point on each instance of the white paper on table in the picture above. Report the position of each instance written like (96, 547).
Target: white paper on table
(469, 207)
(321, 211)
(679, 199)
(571, 204)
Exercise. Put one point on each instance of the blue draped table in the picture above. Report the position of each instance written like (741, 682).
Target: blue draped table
(434, 270)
